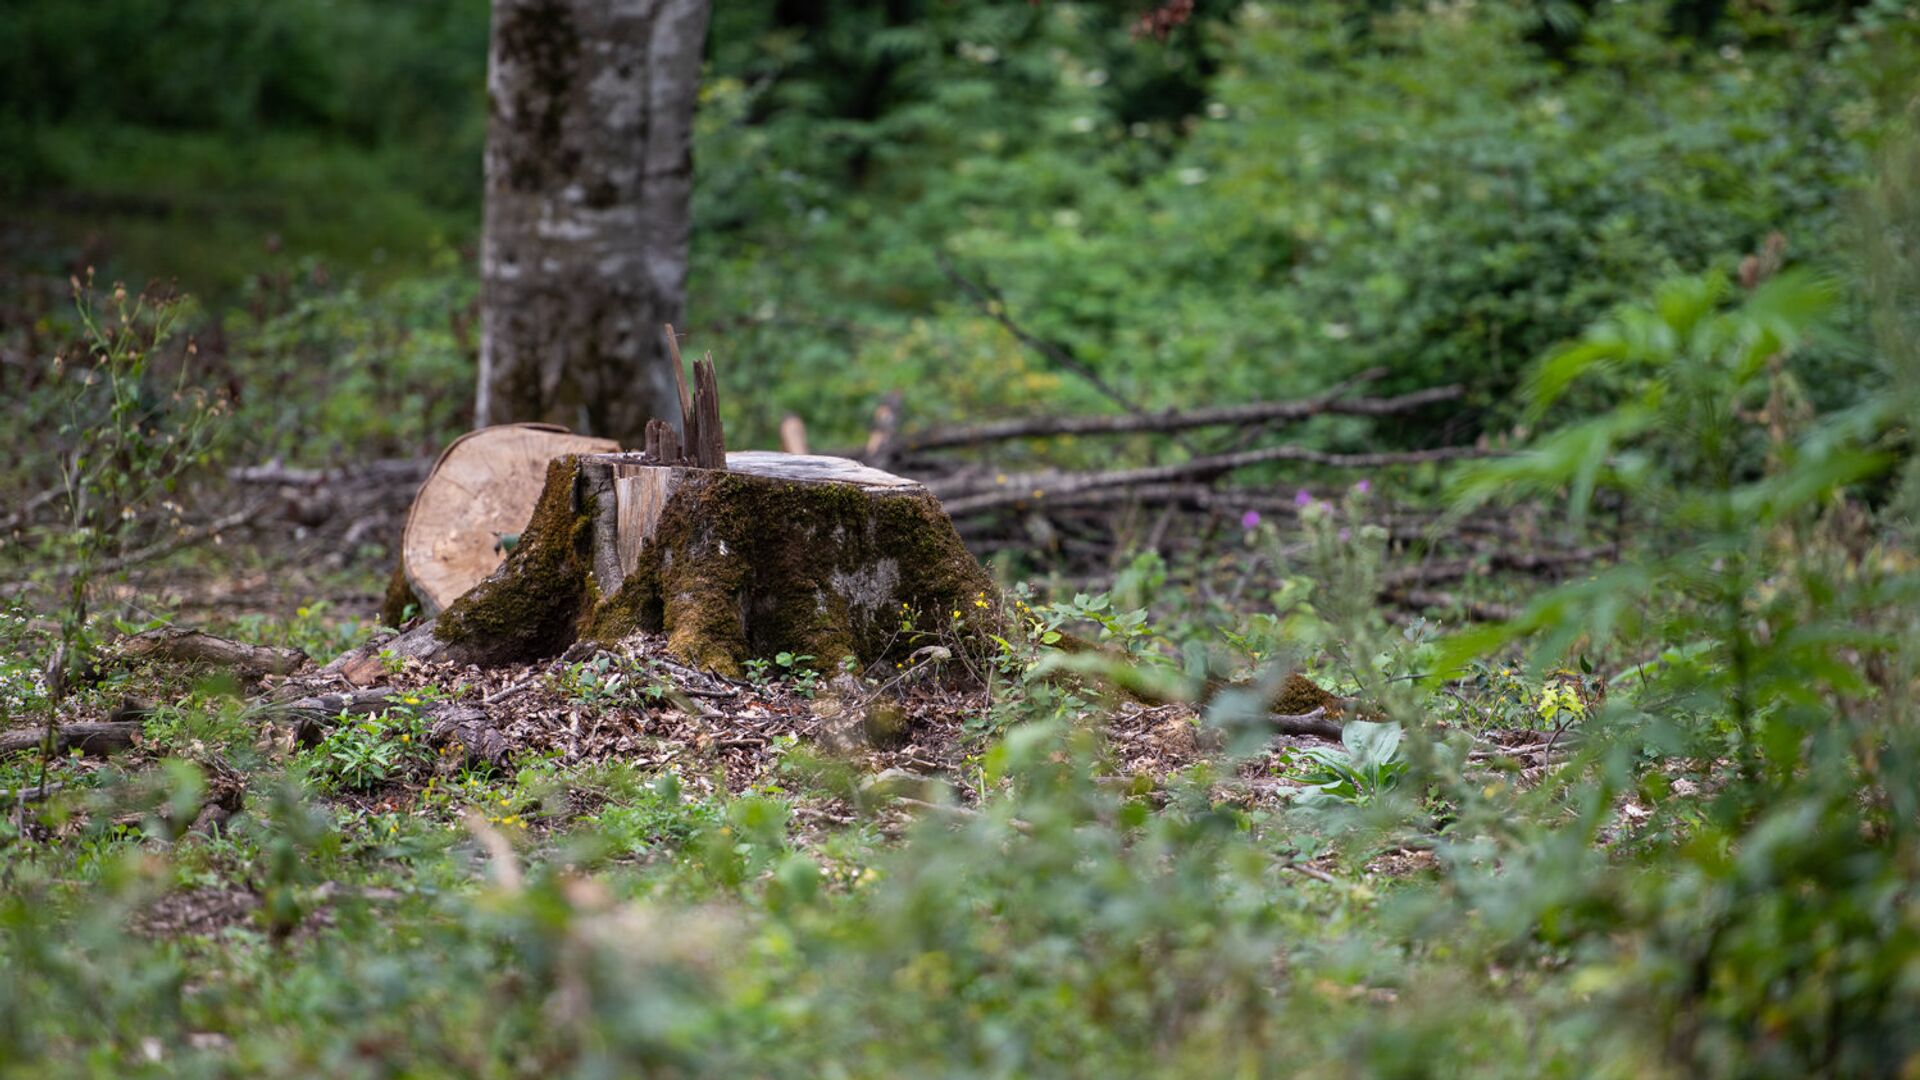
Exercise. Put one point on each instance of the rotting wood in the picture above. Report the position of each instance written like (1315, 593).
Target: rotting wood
(98, 737)
(180, 645)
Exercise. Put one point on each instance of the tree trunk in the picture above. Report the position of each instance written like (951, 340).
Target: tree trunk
(588, 174)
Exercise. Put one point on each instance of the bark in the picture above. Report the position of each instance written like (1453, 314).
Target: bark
(588, 173)
(172, 644)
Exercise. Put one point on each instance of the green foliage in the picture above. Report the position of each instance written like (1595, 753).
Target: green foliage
(313, 628)
(116, 428)
(365, 753)
(351, 130)
(1366, 764)
(606, 681)
(786, 666)
(1415, 188)
(334, 372)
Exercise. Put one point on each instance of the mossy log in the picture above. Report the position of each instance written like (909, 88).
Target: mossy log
(816, 556)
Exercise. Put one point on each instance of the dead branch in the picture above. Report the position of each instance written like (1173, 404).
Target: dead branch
(470, 729)
(964, 497)
(1455, 569)
(397, 471)
(91, 736)
(1263, 412)
(178, 645)
(994, 306)
(1316, 723)
(31, 792)
(29, 508)
(309, 716)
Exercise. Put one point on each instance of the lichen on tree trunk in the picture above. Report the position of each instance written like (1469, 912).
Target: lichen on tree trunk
(588, 171)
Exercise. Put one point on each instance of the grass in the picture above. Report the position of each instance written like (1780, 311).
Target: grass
(182, 205)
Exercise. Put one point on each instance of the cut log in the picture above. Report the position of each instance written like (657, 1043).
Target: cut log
(815, 556)
(474, 502)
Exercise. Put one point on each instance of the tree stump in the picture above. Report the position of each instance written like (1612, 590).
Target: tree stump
(816, 556)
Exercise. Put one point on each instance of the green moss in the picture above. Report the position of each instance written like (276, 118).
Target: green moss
(740, 566)
(1302, 695)
(531, 606)
(744, 566)
(400, 599)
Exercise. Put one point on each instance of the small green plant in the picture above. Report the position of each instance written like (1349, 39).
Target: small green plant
(128, 430)
(607, 681)
(1367, 764)
(362, 753)
(1127, 629)
(793, 667)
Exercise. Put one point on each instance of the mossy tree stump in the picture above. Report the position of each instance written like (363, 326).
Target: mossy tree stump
(817, 556)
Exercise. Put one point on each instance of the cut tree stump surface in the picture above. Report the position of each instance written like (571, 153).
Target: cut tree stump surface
(481, 490)
(810, 555)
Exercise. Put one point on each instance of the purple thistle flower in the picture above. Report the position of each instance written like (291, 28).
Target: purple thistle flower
(1303, 498)
(1363, 486)
(1250, 519)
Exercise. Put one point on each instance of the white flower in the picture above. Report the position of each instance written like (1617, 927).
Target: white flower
(1191, 175)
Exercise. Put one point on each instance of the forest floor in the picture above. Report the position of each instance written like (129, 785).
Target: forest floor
(525, 745)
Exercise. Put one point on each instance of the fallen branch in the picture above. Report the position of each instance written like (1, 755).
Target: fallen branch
(384, 470)
(1455, 569)
(91, 736)
(29, 508)
(31, 792)
(1317, 723)
(1264, 412)
(158, 550)
(309, 716)
(964, 497)
(991, 304)
(468, 728)
(178, 645)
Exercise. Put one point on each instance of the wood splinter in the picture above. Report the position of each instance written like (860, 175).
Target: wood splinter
(701, 442)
